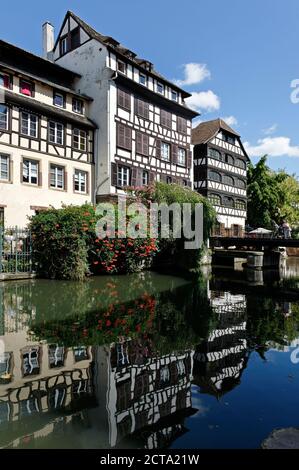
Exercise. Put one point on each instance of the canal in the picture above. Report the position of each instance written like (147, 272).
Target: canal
(149, 360)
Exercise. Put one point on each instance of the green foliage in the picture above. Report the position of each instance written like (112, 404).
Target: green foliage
(271, 196)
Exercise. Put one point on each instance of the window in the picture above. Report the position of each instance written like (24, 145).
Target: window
(80, 181)
(26, 88)
(4, 167)
(56, 355)
(240, 183)
(142, 143)
(63, 45)
(58, 99)
(1, 216)
(30, 171)
(121, 66)
(240, 204)
(215, 199)
(145, 178)
(56, 131)
(124, 137)
(229, 159)
(228, 201)
(79, 140)
(181, 125)
(124, 99)
(3, 117)
(142, 79)
(165, 119)
(80, 354)
(28, 124)
(142, 108)
(174, 95)
(228, 180)
(78, 106)
(75, 38)
(123, 176)
(31, 361)
(165, 151)
(5, 80)
(181, 156)
(240, 163)
(160, 88)
(57, 177)
(168, 179)
(214, 176)
(213, 153)
(228, 138)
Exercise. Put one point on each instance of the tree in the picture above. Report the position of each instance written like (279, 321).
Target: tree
(289, 193)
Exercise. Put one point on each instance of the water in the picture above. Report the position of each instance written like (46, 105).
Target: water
(149, 360)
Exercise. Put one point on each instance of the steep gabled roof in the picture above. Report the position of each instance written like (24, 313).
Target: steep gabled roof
(119, 49)
(205, 131)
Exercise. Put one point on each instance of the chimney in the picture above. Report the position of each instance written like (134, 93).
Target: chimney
(48, 41)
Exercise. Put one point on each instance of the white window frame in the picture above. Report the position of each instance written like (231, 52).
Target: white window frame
(182, 156)
(140, 81)
(5, 160)
(63, 46)
(79, 139)
(33, 170)
(159, 84)
(78, 109)
(165, 151)
(80, 178)
(30, 123)
(4, 117)
(55, 173)
(58, 129)
(123, 175)
(124, 66)
(174, 95)
(61, 95)
(145, 178)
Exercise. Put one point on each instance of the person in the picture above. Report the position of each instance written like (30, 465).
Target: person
(275, 228)
(286, 229)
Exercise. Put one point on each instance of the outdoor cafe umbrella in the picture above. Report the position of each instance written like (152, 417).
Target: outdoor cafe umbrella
(260, 230)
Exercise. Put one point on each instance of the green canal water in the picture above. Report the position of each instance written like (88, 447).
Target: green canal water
(149, 360)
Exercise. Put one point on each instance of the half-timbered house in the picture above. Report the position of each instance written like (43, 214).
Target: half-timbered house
(46, 138)
(220, 173)
(144, 125)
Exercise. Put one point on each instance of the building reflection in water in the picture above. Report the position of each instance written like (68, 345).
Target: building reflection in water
(127, 393)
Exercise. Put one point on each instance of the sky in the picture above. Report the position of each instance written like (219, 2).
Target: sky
(238, 58)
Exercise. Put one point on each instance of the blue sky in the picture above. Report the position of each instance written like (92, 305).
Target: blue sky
(245, 55)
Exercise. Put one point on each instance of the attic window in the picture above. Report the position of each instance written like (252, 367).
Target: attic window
(160, 88)
(142, 79)
(75, 38)
(63, 45)
(121, 66)
(5, 80)
(26, 88)
(229, 139)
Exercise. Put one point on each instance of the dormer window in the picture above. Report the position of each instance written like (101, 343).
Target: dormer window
(142, 79)
(160, 88)
(78, 106)
(58, 99)
(121, 66)
(174, 95)
(5, 80)
(26, 88)
(228, 138)
(63, 45)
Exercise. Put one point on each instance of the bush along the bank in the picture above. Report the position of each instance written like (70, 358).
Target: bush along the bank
(174, 249)
(66, 246)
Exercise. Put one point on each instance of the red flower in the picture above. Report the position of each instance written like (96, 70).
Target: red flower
(108, 323)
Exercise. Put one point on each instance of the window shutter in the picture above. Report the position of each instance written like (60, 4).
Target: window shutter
(65, 180)
(113, 174)
(120, 135)
(134, 174)
(181, 125)
(138, 142)
(145, 144)
(49, 176)
(127, 100)
(87, 183)
(123, 99)
(74, 176)
(40, 177)
(152, 177)
(128, 138)
(189, 158)
(10, 170)
(158, 148)
(174, 154)
(21, 171)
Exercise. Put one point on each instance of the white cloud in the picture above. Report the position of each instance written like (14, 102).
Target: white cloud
(270, 130)
(230, 120)
(195, 122)
(194, 73)
(273, 146)
(206, 100)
